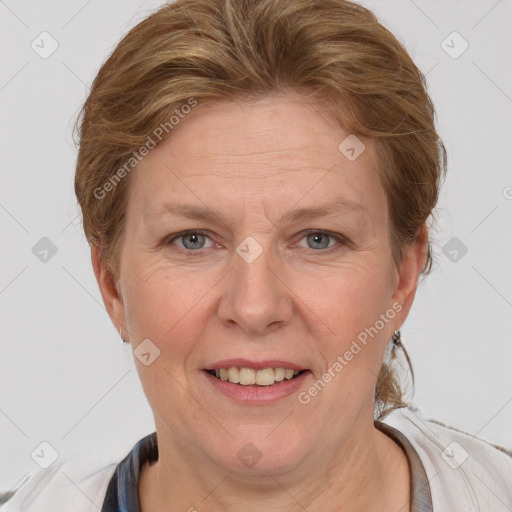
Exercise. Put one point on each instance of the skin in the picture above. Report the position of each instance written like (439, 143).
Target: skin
(254, 162)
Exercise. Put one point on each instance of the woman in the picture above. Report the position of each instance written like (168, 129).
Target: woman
(255, 179)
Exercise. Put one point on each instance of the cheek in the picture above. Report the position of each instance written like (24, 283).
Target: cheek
(167, 305)
(352, 298)
(353, 305)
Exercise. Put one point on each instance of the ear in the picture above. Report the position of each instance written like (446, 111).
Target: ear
(408, 273)
(111, 297)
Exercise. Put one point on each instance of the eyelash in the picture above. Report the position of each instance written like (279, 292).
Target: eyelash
(342, 241)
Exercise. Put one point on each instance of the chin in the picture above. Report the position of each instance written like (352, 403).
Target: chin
(262, 453)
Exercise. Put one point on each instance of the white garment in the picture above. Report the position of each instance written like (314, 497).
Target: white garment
(465, 474)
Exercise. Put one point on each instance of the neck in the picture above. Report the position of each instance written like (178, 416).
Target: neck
(366, 471)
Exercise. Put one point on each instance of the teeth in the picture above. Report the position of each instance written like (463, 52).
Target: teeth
(234, 375)
(279, 374)
(247, 376)
(250, 377)
(265, 377)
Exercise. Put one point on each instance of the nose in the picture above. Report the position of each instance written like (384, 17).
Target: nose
(256, 296)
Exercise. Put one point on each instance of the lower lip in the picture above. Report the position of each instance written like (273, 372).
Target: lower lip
(261, 394)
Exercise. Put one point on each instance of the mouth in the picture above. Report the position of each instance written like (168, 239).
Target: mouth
(253, 382)
(252, 377)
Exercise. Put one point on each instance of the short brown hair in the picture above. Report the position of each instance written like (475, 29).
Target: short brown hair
(212, 50)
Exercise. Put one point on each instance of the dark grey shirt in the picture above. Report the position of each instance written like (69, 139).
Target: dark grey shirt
(122, 491)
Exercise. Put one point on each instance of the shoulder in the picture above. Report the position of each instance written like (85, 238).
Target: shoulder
(465, 472)
(77, 483)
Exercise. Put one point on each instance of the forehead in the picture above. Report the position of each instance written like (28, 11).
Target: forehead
(276, 150)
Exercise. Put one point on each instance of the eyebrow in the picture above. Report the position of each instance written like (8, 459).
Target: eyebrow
(191, 211)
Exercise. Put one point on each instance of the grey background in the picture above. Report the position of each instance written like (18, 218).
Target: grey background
(65, 377)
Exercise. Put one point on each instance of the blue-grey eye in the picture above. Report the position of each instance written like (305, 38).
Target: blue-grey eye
(193, 240)
(318, 240)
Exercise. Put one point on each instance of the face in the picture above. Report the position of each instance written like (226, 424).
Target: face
(253, 242)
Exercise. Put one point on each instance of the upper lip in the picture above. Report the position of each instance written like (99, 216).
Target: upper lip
(256, 365)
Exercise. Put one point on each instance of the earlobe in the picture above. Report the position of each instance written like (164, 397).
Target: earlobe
(109, 293)
(409, 271)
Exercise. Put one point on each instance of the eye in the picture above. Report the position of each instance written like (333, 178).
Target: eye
(196, 240)
(316, 239)
(190, 240)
